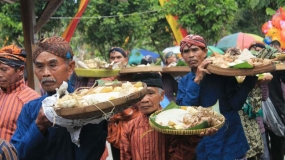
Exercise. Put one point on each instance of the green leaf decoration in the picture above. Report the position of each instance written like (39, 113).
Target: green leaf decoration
(158, 62)
(242, 65)
(171, 105)
(216, 107)
(181, 63)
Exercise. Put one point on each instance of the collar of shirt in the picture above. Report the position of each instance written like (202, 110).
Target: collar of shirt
(147, 115)
(15, 87)
(192, 75)
(70, 89)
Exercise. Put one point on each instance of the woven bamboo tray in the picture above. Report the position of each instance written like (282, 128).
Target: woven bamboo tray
(93, 111)
(192, 131)
(280, 66)
(176, 70)
(240, 72)
(136, 69)
(96, 72)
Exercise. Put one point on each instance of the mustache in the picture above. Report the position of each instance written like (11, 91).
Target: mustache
(48, 80)
(190, 60)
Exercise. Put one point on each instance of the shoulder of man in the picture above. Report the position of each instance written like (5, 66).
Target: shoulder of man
(28, 94)
(33, 104)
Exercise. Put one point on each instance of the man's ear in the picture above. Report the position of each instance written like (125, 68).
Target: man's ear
(22, 70)
(71, 67)
(162, 95)
(206, 52)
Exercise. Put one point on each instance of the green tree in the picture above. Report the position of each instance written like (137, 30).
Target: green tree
(11, 24)
(211, 19)
(253, 14)
(141, 22)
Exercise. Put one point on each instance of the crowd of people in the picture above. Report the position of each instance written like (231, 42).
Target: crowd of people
(27, 134)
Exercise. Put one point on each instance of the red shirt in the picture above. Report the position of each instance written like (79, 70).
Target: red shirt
(12, 100)
(140, 142)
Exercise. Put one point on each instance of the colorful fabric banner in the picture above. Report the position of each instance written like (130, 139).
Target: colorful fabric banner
(178, 32)
(67, 34)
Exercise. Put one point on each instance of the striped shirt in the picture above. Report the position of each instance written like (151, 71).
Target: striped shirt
(140, 142)
(7, 151)
(12, 100)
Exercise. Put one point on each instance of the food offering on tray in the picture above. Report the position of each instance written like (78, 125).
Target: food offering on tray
(178, 68)
(91, 96)
(235, 58)
(270, 53)
(140, 68)
(97, 68)
(97, 63)
(179, 63)
(187, 119)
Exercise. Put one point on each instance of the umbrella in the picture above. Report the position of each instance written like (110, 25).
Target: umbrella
(214, 49)
(241, 40)
(175, 49)
(146, 52)
(136, 56)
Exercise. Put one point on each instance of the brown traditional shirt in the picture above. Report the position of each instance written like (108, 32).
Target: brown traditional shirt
(141, 142)
(12, 100)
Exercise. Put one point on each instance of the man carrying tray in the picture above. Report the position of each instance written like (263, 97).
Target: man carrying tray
(35, 137)
(200, 88)
(116, 55)
(140, 142)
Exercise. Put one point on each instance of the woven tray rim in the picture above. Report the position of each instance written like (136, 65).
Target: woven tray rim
(241, 72)
(175, 69)
(92, 108)
(136, 69)
(100, 72)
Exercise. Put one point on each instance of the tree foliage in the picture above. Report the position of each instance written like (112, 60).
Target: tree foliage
(127, 24)
(11, 23)
(253, 13)
(209, 18)
(141, 23)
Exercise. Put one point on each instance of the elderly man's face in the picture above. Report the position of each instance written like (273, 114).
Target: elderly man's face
(52, 70)
(193, 56)
(118, 57)
(151, 100)
(10, 75)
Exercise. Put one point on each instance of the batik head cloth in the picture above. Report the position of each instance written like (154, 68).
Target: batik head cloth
(13, 56)
(190, 40)
(118, 50)
(151, 79)
(54, 45)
